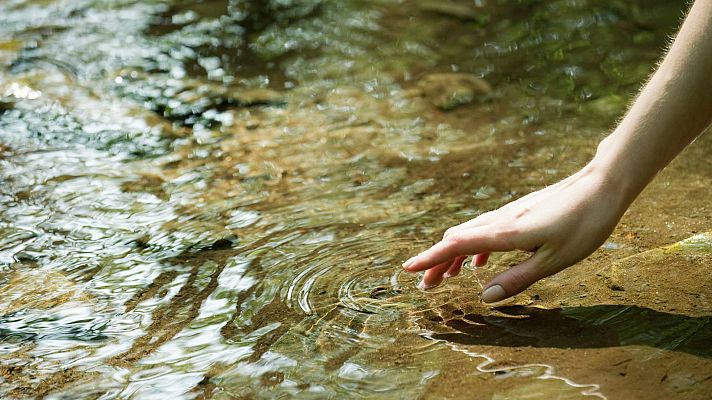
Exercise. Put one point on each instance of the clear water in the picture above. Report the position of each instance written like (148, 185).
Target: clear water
(212, 199)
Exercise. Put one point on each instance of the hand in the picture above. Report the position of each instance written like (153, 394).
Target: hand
(561, 224)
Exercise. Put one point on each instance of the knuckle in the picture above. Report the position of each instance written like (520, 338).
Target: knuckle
(454, 241)
(484, 216)
(449, 232)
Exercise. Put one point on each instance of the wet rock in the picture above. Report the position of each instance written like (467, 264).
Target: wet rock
(451, 90)
(677, 273)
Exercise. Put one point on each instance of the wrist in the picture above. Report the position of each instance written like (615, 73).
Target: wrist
(617, 173)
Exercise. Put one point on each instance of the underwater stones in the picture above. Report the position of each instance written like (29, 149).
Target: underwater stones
(451, 90)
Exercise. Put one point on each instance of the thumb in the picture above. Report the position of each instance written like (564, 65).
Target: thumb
(516, 279)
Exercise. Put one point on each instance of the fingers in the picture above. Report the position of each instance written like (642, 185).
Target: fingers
(455, 267)
(471, 241)
(517, 278)
(434, 276)
(479, 260)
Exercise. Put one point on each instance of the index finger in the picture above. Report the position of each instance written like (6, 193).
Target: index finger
(470, 241)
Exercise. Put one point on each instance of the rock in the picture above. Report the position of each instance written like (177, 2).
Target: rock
(677, 273)
(450, 90)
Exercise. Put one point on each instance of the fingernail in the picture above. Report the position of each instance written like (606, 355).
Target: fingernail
(408, 262)
(447, 275)
(423, 286)
(493, 294)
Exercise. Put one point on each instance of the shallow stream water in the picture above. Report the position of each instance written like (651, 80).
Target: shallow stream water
(212, 199)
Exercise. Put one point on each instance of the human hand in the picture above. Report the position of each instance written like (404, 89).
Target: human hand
(561, 224)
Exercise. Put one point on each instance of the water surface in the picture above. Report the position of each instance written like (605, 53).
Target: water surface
(212, 199)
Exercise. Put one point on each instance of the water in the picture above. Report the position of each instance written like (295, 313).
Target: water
(213, 199)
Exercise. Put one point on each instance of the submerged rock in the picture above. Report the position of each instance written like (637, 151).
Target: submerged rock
(451, 90)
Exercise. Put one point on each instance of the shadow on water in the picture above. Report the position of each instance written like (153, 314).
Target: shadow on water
(583, 327)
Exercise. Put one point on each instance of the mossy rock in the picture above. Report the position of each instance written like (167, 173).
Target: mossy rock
(669, 278)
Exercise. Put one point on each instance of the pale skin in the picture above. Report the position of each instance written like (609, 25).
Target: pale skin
(564, 223)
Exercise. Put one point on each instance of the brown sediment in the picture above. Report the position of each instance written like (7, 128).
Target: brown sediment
(205, 388)
(269, 314)
(335, 362)
(151, 290)
(147, 183)
(269, 379)
(4, 149)
(230, 329)
(171, 318)
(28, 383)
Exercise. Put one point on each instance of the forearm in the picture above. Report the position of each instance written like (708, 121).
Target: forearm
(670, 112)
